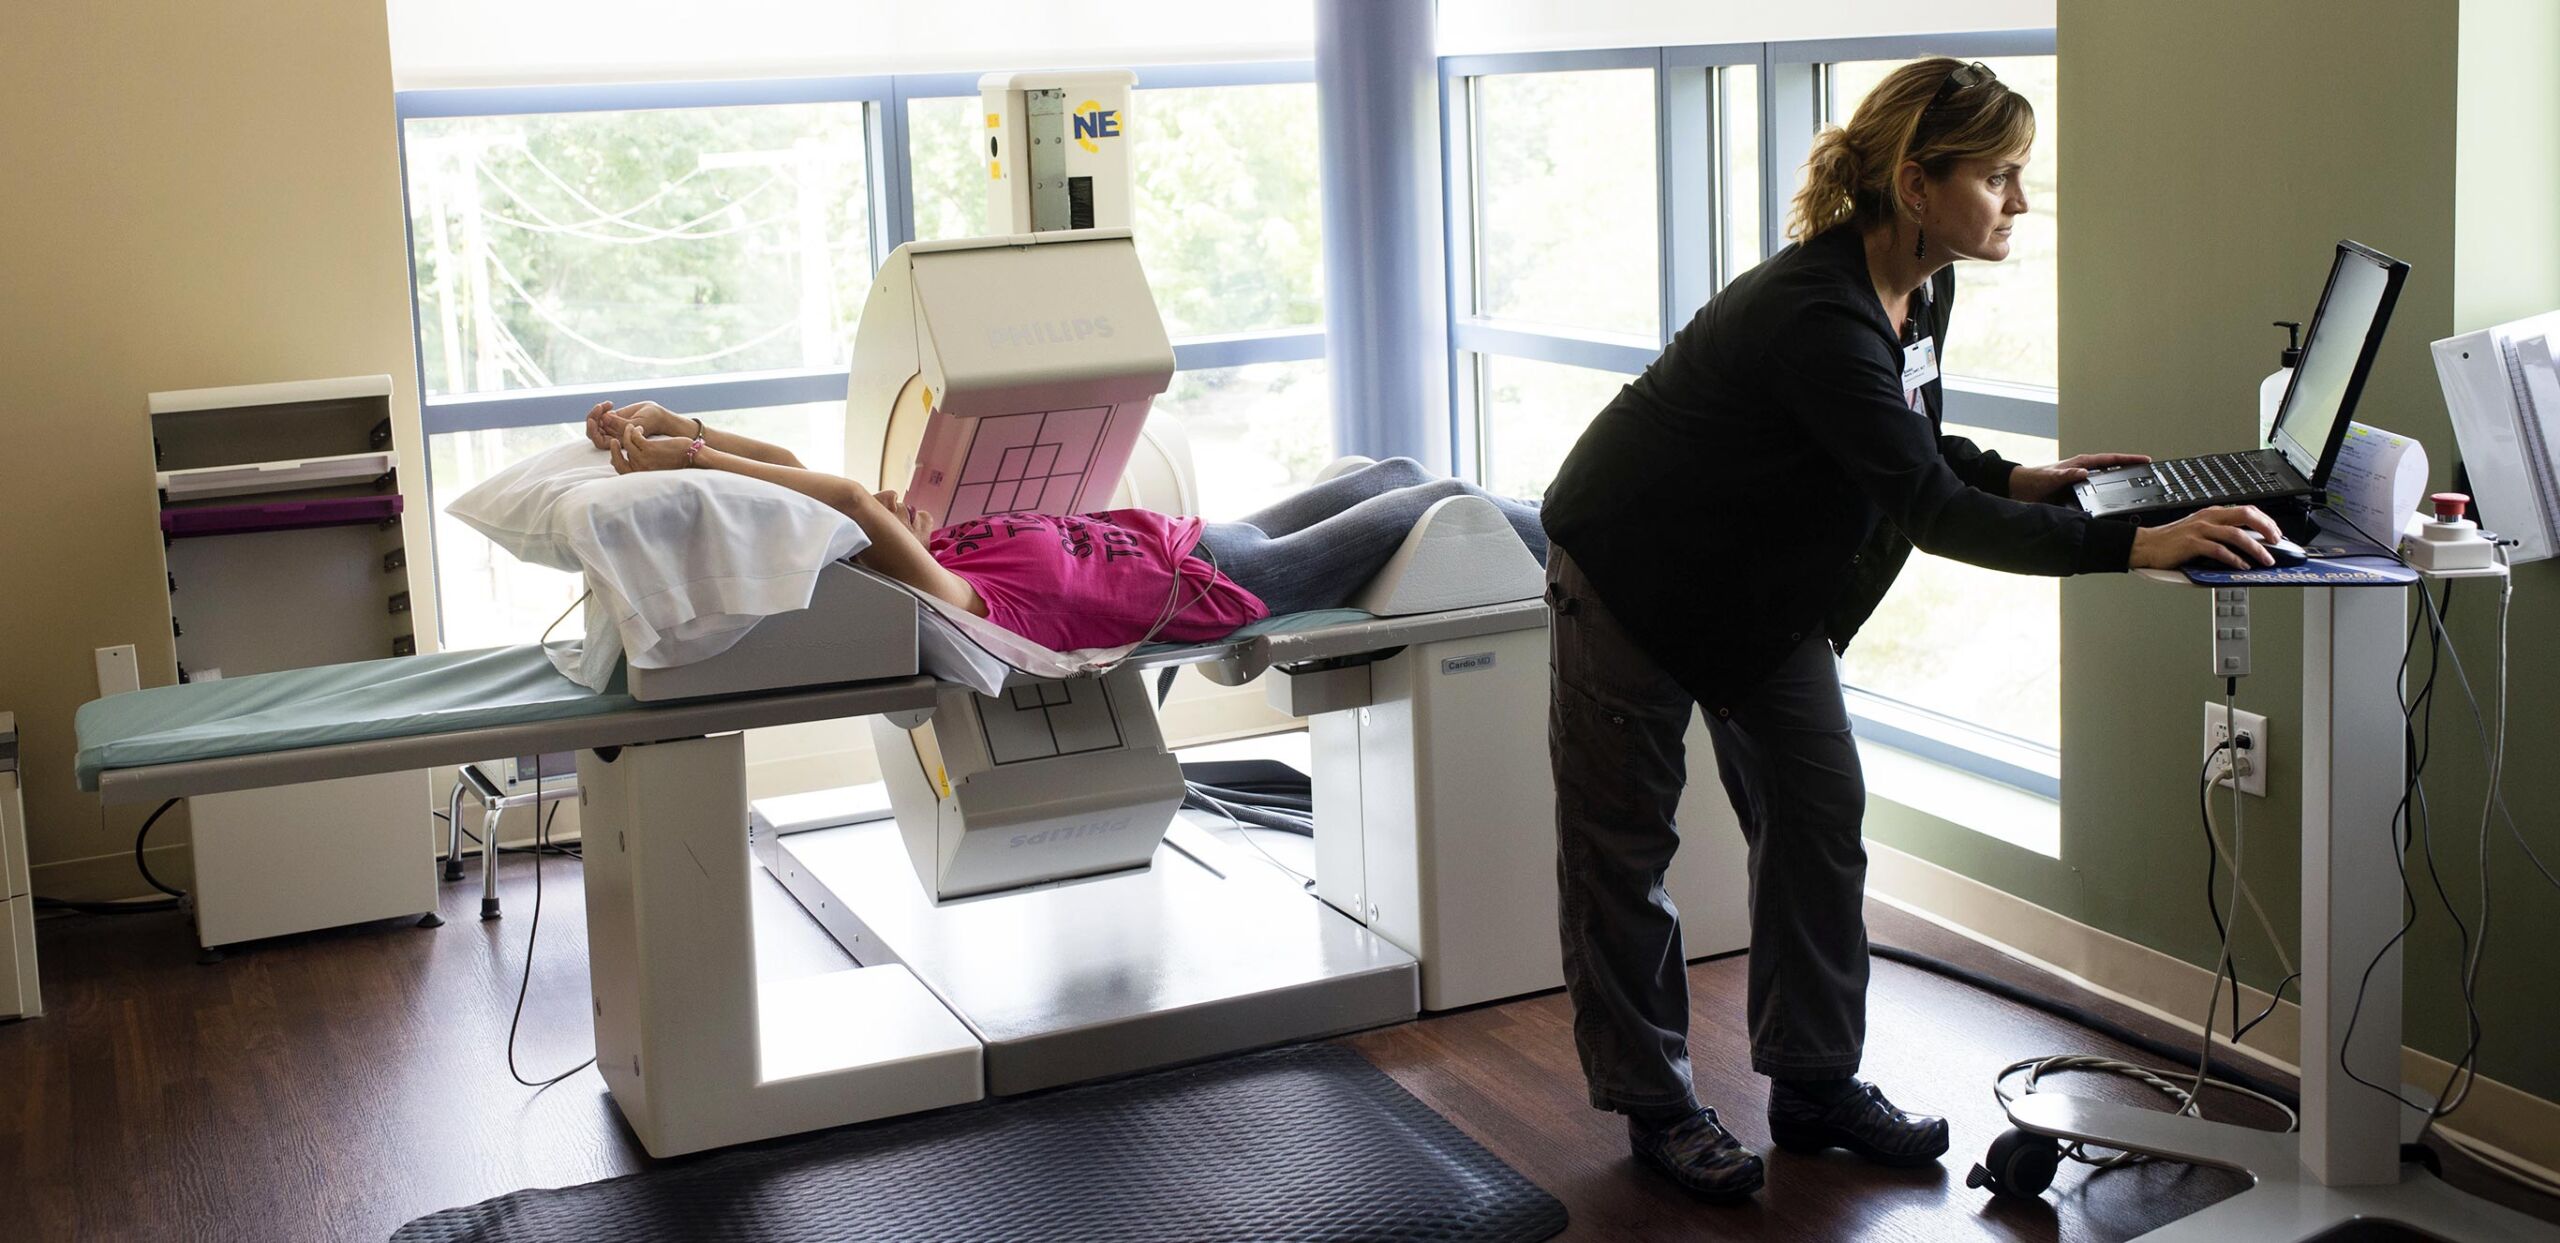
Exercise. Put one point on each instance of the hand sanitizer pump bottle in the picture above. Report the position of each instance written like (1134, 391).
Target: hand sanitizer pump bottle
(2271, 389)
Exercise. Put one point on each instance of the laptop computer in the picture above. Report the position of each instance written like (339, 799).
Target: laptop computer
(2346, 331)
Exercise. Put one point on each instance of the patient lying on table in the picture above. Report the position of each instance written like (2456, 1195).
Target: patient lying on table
(1071, 581)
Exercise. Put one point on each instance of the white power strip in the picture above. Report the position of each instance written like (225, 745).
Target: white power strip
(2230, 632)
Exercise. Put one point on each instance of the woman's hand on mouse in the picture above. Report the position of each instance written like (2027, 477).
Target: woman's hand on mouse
(2043, 483)
(2234, 535)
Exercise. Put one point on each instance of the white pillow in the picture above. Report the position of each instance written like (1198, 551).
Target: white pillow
(683, 562)
(513, 507)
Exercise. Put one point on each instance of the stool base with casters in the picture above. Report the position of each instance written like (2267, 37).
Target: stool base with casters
(2345, 1173)
(2288, 1202)
(494, 803)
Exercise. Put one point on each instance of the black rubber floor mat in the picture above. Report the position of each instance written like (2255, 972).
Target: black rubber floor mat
(1309, 1145)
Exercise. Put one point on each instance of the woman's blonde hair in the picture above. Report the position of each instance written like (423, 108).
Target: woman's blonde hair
(1849, 176)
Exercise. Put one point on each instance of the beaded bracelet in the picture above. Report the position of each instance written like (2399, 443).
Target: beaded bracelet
(693, 452)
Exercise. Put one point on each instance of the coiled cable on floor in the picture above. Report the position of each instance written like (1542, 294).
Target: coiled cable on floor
(2222, 1072)
(2226, 1075)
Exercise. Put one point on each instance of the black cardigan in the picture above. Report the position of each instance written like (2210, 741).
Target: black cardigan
(1765, 479)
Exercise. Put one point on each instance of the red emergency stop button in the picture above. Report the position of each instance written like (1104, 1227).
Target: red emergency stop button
(2449, 505)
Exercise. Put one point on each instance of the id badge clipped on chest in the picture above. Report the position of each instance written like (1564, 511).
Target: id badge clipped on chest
(1919, 363)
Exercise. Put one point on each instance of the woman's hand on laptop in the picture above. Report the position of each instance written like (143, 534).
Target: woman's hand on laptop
(2231, 535)
(2044, 483)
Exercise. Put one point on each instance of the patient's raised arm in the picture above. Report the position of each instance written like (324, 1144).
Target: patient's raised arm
(605, 422)
(896, 549)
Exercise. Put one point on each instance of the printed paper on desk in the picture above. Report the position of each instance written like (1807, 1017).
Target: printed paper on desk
(2379, 479)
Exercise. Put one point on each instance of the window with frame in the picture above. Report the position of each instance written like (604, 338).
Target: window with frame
(1956, 650)
(574, 245)
(1597, 199)
(1555, 265)
(710, 245)
(1228, 224)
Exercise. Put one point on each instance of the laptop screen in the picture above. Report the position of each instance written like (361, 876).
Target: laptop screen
(2345, 332)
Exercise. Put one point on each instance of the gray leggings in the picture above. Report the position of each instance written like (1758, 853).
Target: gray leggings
(1312, 550)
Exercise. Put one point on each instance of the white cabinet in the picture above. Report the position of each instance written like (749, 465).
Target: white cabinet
(1435, 816)
(279, 509)
(18, 995)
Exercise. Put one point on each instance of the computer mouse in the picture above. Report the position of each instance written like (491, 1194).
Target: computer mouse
(2287, 554)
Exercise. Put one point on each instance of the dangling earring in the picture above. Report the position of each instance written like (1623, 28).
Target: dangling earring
(1920, 246)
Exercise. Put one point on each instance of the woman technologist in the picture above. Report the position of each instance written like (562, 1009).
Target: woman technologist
(1720, 531)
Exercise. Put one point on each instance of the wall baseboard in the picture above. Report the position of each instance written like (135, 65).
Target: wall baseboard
(111, 877)
(2514, 1125)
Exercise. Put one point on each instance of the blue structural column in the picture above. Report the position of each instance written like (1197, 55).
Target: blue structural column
(1385, 262)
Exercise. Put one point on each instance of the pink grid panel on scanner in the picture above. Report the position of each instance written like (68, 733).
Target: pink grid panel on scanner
(1056, 462)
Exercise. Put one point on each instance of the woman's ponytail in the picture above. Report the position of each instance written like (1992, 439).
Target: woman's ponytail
(1830, 190)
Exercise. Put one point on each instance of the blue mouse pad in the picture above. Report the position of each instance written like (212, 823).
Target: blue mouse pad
(2330, 566)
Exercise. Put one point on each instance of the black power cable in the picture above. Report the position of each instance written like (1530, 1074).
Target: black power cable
(2409, 820)
(524, 983)
(140, 862)
(2212, 855)
(1211, 799)
(2465, 951)
(142, 906)
(2466, 1070)
(1264, 793)
(145, 864)
(2085, 1017)
(555, 848)
(2228, 964)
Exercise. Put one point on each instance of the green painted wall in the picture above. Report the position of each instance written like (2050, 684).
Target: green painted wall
(2237, 142)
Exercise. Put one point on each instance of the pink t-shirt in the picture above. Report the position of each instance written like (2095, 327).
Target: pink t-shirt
(1069, 581)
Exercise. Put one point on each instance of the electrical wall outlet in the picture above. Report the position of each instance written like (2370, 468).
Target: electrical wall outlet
(2249, 762)
(119, 670)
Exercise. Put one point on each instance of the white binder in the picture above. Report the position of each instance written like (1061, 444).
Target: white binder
(2503, 393)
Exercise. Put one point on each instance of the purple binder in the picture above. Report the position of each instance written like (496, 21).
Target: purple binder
(335, 511)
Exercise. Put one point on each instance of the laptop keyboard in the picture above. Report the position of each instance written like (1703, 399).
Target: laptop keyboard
(2213, 477)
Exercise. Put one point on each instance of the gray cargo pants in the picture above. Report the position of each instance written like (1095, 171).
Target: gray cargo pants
(1614, 726)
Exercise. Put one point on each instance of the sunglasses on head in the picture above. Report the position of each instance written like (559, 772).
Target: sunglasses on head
(1962, 77)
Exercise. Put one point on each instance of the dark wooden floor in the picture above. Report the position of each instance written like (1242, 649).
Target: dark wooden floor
(334, 1085)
